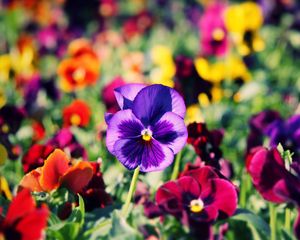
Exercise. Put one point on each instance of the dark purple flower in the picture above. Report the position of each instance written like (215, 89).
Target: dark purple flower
(149, 129)
(214, 40)
(287, 133)
(188, 82)
(206, 143)
(10, 119)
(198, 198)
(259, 126)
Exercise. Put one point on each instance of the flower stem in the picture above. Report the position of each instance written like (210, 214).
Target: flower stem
(176, 166)
(273, 216)
(287, 223)
(132, 187)
(244, 188)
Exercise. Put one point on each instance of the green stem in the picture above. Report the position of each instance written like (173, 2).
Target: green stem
(176, 166)
(273, 216)
(287, 223)
(243, 192)
(131, 192)
(99, 226)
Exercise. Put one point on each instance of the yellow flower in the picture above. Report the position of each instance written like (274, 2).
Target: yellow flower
(237, 70)
(243, 21)
(213, 73)
(165, 68)
(193, 114)
(5, 65)
(4, 188)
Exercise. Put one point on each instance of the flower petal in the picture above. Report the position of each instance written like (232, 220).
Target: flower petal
(171, 130)
(54, 167)
(189, 187)
(156, 157)
(77, 176)
(126, 94)
(32, 226)
(151, 156)
(224, 197)
(123, 125)
(152, 102)
(32, 180)
(20, 206)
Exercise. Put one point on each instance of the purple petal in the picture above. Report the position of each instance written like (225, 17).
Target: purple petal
(108, 117)
(150, 156)
(156, 157)
(152, 102)
(189, 185)
(171, 131)
(123, 125)
(126, 94)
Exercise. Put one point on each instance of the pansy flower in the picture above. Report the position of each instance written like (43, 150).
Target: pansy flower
(214, 40)
(243, 21)
(198, 198)
(149, 129)
(24, 220)
(58, 171)
(275, 180)
(78, 113)
(11, 118)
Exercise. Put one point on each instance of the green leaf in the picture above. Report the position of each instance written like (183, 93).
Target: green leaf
(121, 230)
(254, 221)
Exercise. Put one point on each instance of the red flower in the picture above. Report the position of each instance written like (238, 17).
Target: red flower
(57, 172)
(199, 196)
(78, 113)
(35, 156)
(24, 220)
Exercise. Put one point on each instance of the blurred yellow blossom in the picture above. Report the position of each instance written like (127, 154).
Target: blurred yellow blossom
(243, 21)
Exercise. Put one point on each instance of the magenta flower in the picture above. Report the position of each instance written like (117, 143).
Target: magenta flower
(274, 181)
(214, 39)
(198, 198)
(149, 129)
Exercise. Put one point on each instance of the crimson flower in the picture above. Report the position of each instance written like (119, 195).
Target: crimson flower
(24, 220)
(198, 198)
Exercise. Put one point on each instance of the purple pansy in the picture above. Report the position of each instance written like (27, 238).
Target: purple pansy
(149, 129)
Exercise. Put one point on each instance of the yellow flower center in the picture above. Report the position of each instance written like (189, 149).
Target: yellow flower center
(75, 119)
(5, 128)
(146, 134)
(218, 34)
(196, 205)
(79, 74)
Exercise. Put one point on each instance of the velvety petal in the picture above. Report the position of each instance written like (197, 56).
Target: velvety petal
(20, 206)
(208, 214)
(171, 131)
(224, 197)
(156, 157)
(202, 175)
(264, 164)
(32, 180)
(32, 226)
(77, 176)
(123, 125)
(108, 117)
(55, 166)
(151, 156)
(189, 186)
(169, 197)
(288, 189)
(129, 152)
(126, 94)
(152, 102)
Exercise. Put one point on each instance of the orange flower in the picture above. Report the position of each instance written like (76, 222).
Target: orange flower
(78, 72)
(77, 114)
(81, 46)
(57, 172)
